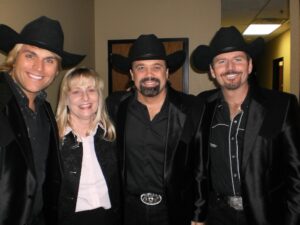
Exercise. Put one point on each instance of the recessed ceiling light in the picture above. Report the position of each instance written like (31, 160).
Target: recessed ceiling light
(260, 29)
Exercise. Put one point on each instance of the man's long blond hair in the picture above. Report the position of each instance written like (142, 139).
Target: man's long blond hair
(62, 114)
(8, 64)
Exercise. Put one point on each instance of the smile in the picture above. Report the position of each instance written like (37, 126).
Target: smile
(35, 77)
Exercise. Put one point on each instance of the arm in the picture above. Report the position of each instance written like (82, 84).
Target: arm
(291, 144)
(200, 172)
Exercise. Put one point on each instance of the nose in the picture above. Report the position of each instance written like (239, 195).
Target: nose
(230, 65)
(38, 65)
(85, 96)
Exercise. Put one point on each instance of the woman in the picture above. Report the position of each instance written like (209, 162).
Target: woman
(90, 191)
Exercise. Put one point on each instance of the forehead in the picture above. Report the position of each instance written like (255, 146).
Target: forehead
(229, 55)
(38, 51)
(149, 62)
(81, 81)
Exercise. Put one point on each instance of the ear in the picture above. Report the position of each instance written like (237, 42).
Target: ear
(212, 72)
(250, 66)
(131, 74)
(167, 74)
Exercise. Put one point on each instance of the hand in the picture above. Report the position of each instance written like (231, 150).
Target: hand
(196, 223)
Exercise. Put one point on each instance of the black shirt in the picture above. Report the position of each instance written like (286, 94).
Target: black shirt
(38, 128)
(145, 148)
(226, 148)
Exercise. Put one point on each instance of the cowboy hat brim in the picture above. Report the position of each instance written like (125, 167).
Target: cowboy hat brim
(203, 55)
(9, 38)
(123, 64)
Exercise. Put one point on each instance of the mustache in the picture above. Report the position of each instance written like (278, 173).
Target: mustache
(231, 72)
(149, 79)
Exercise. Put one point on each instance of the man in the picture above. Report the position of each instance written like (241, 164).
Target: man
(252, 139)
(29, 156)
(157, 139)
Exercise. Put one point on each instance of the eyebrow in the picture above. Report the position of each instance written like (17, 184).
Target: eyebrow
(32, 52)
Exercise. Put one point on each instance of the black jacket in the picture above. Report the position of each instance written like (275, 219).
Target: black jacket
(72, 153)
(17, 176)
(270, 168)
(183, 161)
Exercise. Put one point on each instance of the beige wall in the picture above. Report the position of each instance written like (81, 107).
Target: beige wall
(119, 19)
(295, 47)
(287, 46)
(76, 18)
(277, 48)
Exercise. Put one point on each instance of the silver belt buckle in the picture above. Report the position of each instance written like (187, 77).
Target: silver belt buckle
(150, 198)
(236, 202)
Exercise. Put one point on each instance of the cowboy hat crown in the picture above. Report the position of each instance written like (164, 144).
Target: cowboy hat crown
(227, 39)
(147, 47)
(42, 32)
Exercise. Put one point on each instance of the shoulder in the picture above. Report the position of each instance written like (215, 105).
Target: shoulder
(114, 100)
(180, 98)
(206, 95)
(274, 99)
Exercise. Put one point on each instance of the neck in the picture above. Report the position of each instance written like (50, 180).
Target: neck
(81, 127)
(236, 96)
(153, 104)
(234, 99)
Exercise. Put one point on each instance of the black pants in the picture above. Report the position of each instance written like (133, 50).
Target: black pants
(137, 213)
(93, 217)
(220, 213)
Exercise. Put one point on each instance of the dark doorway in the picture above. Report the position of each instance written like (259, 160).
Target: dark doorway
(278, 74)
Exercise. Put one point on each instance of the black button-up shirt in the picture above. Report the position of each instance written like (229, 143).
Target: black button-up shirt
(145, 148)
(226, 148)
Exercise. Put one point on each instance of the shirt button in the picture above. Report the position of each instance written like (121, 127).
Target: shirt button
(235, 175)
(233, 156)
(232, 138)
(235, 121)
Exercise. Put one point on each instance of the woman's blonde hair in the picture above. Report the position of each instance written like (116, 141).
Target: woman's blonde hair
(62, 114)
(10, 60)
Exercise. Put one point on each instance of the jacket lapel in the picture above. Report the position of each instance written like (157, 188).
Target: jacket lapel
(121, 122)
(255, 118)
(19, 128)
(176, 122)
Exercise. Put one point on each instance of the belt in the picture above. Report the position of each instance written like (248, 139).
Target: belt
(150, 198)
(235, 202)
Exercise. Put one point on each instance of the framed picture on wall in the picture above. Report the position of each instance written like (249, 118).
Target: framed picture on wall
(119, 82)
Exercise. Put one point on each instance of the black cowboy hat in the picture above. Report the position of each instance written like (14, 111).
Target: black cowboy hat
(42, 32)
(227, 39)
(147, 47)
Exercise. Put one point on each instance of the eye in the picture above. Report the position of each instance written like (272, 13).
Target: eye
(157, 68)
(239, 59)
(221, 61)
(92, 90)
(50, 60)
(29, 55)
(140, 68)
(75, 92)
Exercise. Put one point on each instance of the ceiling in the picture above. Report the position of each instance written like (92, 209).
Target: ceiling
(241, 13)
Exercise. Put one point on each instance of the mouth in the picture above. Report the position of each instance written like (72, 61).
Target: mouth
(231, 75)
(85, 106)
(35, 77)
(150, 82)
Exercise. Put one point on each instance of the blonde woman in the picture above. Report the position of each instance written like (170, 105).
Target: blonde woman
(90, 187)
